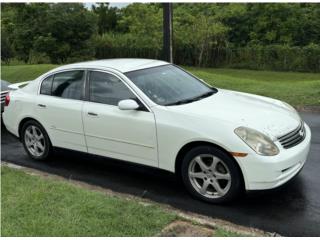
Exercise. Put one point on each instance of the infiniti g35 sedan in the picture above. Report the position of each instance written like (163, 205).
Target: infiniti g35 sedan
(150, 112)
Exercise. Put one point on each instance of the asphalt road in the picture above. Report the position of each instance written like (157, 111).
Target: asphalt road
(292, 210)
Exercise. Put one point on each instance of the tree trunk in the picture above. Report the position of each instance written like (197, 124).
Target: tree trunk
(201, 54)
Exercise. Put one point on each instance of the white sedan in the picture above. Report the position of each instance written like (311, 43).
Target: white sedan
(154, 113)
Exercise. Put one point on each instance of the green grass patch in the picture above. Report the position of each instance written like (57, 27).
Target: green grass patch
(34, 206)
(219, 232)
(295, 88)
(21, 73)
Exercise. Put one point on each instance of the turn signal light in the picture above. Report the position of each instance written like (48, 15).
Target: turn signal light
(238, 154)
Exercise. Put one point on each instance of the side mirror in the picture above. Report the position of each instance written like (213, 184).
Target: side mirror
(128, 104)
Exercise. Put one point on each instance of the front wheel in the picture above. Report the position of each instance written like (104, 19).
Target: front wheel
(36, 141)
(211, 174)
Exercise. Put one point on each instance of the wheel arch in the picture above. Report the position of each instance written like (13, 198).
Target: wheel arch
(188, 146)
(26, 119)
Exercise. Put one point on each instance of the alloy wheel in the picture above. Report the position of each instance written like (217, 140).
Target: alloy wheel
(209, 176)
(34, 141)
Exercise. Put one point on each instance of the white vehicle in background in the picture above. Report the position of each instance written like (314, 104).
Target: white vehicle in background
(154, 113)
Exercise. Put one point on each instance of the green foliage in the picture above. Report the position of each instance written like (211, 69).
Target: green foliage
(59, 31)
(107, 17)
(7, 27)
(275, 57)
(281, 36)
(200, 30)
(38, 58)
(142, 24)
(6, 48)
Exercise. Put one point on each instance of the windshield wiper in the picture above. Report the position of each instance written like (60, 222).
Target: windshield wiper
(207, 94)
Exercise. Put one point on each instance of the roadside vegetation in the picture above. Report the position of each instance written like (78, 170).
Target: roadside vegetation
(32, 206)
(269, 36)
(44, 206)
(21, 73)
(298, 89)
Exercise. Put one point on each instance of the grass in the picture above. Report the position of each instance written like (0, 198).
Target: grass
(41, 206)
(34, 206)
(21, 73)
(224, 233)
(295, 88)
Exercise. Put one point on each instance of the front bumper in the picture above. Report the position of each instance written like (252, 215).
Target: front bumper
(267, 172)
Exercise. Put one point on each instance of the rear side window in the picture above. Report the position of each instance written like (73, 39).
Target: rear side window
(108, 89)
(46, 86)
(68, 84)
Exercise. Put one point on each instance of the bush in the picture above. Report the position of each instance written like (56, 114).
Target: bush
(257, 57)
(38, 58)
(276, 57)
(116, 46)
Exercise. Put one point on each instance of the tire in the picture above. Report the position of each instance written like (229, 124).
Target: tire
(204, 167)
(31, 141)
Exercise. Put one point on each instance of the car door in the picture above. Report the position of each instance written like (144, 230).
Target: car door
(59, 109)
(122, 134)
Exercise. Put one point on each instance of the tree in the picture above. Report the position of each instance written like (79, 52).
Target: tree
(200, 29)
(143, 22)
(6, 49)
(107, 17)
(61, 31)
(7, 27)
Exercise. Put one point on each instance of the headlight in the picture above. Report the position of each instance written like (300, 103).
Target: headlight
(259, 142)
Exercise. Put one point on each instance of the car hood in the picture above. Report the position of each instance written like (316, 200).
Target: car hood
(267, 115)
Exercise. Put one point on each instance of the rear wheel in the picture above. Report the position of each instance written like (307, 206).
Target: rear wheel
(211, 174)
(35, 140)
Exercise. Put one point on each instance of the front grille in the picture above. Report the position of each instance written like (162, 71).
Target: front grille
(3, 96)
(293, 138)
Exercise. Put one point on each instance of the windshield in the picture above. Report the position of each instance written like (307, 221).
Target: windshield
(169, 85)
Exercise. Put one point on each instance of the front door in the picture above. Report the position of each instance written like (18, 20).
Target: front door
(122, 134)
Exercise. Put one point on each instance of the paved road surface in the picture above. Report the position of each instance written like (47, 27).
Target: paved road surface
(293, 210)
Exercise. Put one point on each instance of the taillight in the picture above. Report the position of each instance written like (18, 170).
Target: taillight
(7, 100)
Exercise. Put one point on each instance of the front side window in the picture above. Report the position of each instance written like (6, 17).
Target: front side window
(46, 86)
(169, 85)
(68, 84)
(108, 89)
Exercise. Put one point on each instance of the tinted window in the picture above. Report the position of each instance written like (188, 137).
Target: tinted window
(108, 89)
(68, 84)
(46, 86)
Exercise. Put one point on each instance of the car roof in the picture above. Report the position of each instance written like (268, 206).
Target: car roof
(120, 64)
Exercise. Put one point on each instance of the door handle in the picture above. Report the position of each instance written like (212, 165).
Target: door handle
(92, 114)
(42, 105)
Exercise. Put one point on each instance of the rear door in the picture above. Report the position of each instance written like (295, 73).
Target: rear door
(123, 134)
(59, 108)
